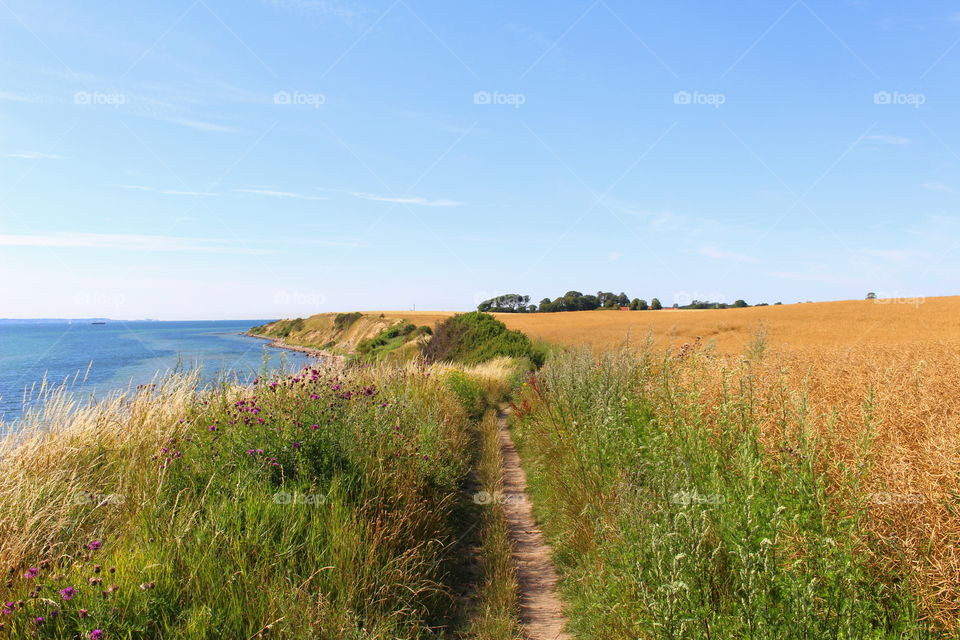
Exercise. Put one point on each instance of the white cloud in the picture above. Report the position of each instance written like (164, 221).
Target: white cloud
(825, 278)
(614, 256)
(10, 96)
(885, 139)
(717, 254)
(888, 254)
(278, 194)
(936, 186)
(33, 155)
(424, 202)
(321, 8)
(169, 192)
(123, 241)
(201, 125)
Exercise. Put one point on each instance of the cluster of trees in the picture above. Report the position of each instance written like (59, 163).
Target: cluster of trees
(577, 301)
(509, 303)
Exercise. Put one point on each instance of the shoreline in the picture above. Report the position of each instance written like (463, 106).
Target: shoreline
(310, 351)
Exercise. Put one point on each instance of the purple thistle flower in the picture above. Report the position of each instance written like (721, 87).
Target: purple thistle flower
(39, 619)
(68, 593)
(31, 573)
(93, 545)
(96, 634)
(296, 445)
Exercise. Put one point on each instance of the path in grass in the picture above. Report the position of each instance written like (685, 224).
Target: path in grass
(541, 611)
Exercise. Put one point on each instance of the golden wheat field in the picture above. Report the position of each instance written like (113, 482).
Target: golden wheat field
(793, 326)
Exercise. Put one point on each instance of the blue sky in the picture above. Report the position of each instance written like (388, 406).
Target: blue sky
(272, 158)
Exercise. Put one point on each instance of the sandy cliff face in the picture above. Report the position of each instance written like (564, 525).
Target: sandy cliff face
(322, 331)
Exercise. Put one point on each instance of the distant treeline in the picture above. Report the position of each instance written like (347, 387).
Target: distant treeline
(577, 301)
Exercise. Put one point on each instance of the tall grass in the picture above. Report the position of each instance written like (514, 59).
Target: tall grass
(324, 504)
(697, 496)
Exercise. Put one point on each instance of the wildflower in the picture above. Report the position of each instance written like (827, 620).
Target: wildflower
(96, 581)
(83, 613)
(67, 593)
(93, 545)
(39, 619)
(314, 396)
(32, 572)
(96, 634)
(314, 426)
(148, 585)
(8, 608)
(212, 428)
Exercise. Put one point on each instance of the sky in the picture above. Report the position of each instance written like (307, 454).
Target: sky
(200, 159)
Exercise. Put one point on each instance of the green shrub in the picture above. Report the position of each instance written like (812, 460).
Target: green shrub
(473, 338)
(344, 320)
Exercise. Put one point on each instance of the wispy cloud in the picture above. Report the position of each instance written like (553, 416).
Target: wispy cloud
(614, 256)
(897, 255)
(33, 155)
(319, 8)
(10, 96)
(718, 254)
(423, 202)
(824, 278)
(169, 192)
(201, 125)
(123, 241)
(885, 139)
(936, 186)
(278, 194)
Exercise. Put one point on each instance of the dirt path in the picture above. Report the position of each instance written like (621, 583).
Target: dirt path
(541, 611)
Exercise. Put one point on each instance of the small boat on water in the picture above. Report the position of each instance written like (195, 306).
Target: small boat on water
(98, 322)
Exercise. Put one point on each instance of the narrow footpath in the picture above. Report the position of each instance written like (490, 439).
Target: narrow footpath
(541, 610)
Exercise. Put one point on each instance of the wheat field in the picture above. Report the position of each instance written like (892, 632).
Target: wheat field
(792, 326)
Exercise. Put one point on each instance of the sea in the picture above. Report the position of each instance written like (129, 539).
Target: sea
(97, 359)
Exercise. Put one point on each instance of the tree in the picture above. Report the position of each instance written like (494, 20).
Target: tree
(739, 304)
(635, 304)
(622, 299)
(509, 303)
(871, 296)
(643, 305)
(655, 304)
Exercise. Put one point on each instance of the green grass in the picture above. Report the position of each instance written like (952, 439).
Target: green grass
(472, 338)
(322, 505)
(668, 525)
(389, 340)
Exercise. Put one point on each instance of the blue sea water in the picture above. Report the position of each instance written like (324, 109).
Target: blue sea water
(120, 354)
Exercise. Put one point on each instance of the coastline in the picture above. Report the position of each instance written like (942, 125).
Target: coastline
(310, 351)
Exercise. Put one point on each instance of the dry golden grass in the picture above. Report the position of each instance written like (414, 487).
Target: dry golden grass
(891, 411)
(793, 326)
